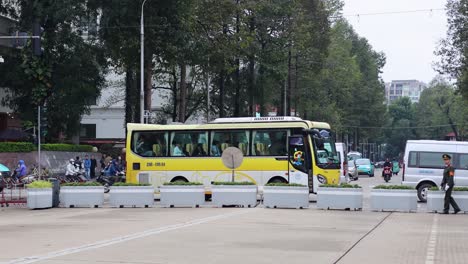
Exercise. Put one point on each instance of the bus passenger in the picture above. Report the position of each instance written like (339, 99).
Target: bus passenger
(177, 150)
(215, 149)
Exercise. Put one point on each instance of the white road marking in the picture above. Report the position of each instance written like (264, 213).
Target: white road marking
(121, 239)
(431, 245)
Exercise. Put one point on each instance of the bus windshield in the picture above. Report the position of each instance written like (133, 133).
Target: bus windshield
(325, 151)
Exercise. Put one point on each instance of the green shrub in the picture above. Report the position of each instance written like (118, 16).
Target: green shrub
(28, 147)
(394, 187)
(460, 189)
(182, 183)
(130, 184)
(342, 185)
(434, 188)
(16, 147)
(39, 185)
(285, 184)
(67, 147)
(82, 184)
(233, 183)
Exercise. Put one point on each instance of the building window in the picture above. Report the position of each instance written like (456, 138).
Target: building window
(88, 131)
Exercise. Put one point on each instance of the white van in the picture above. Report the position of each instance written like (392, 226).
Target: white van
(354, 155)
(423, 165)
(342, 152)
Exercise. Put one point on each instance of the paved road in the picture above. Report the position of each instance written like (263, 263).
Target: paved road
(231, 235)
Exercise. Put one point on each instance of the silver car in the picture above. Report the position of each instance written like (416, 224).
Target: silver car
(352, 171)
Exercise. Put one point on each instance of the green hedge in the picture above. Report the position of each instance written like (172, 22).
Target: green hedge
(456, 189)
(182, 183)
(342, 185)
(28, 147)
(394, 187)
(130, 184)
(233, 183)
(285, 184)
(16, 147)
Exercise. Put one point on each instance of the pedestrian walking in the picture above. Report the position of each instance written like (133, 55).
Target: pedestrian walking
(447, 184)
(93, 167)
(87, 167)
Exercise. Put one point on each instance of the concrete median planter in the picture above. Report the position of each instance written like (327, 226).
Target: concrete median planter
(285, 197)
(339, 198)
(39, 198)
(82, 196)
(132, 196)
(435, 200)
(182, 195)
(393, 200)
(243, 195)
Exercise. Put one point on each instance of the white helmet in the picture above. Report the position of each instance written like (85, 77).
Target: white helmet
(72, 160)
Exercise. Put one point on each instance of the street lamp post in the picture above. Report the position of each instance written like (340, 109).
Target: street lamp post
(142, 76)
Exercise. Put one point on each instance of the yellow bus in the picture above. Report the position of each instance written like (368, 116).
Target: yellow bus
(274, 149)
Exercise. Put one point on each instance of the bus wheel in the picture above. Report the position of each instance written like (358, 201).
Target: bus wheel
(180, 179)
(277, 179)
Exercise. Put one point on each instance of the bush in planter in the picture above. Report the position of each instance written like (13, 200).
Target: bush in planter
(39, 185)
(39, 194)
(285, 184)
(341, 185)
(81, 184)
(393, 197)
(342, 196)
(117, 184)
(233, 183)
(131, 194)
(286, 195)
(182, 183)
(234, 193)
(393, 187)
(82, 194)
(180, 193)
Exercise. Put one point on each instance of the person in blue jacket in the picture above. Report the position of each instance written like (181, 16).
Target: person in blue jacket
(113, 168)
(21, 170)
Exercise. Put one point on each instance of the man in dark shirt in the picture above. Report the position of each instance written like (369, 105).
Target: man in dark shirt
(93, 166)
(447, 184)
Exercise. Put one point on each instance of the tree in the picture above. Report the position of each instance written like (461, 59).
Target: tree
(454, 49)
(440, 111)
(67, 77)
(399, 127)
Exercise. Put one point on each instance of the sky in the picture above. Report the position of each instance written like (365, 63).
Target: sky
(407, 39)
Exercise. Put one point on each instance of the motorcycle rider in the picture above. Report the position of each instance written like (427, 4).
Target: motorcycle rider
(71, 169)
(387, 164)
(21, 170)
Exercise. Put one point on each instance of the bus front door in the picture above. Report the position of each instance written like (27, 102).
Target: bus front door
(298, 165)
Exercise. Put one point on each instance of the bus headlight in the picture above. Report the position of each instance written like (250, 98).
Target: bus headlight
(321, 179)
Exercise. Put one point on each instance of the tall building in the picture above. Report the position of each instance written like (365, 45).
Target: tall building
(404, 88)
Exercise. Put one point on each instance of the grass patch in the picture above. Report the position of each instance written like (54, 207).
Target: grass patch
(394, 187)
(233, 183)
(342, 185)
(460, 189)
(80, 184)
(182, 183)
(117, 184)
(285, 184)
(39, 185)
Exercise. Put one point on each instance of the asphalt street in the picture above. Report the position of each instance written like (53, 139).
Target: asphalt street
(232, 235)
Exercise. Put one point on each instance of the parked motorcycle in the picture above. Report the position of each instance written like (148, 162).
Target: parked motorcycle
(108, 181)
(387, 173)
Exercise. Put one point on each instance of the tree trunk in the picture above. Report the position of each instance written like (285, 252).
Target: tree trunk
(252, 91)
(174, 95)
(131, 97)
(183, 93)
(237, 109)
(296, 89)
(289, 82)
(148, 81)
(221, 92)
